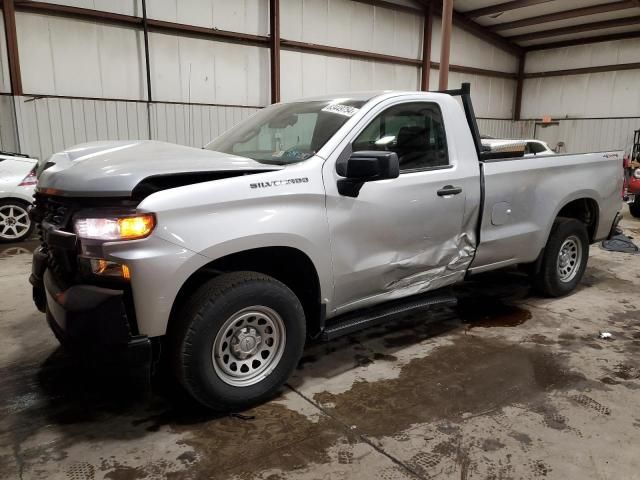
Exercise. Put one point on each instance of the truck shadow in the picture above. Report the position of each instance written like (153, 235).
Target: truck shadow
(91, 402)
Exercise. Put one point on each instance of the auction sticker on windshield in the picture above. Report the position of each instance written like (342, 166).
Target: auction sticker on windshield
(346, 110)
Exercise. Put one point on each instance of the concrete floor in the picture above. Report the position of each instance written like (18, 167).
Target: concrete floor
(506, 386)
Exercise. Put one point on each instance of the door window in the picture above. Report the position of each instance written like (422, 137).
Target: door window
(415, 131)
(536, 147)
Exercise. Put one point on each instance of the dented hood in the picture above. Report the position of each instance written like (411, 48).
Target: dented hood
(115, 168)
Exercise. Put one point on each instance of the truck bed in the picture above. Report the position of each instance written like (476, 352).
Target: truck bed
(523, 195)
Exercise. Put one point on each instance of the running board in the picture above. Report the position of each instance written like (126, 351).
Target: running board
(354, 321)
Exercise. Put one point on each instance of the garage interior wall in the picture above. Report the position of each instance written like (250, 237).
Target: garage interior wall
(595, 111)
(85, 80)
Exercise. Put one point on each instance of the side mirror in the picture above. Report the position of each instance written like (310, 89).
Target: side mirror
(363, 167)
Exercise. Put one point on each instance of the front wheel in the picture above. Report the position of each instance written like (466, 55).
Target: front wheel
(565, 258)
(239, 338)
(634, 208)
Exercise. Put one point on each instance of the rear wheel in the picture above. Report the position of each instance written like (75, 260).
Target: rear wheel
(15, 224)
(239, 338)
(565, 258)
(634, 208)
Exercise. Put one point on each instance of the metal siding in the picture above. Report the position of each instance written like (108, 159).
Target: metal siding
(62, 56)
(194, 125)
(125, 7)
(5, 80)
(471, 51)
(608, 94)
(48, 125)
(306, 74)
(505, 128)
(354, 25)
(579, 135)
(8, 132)
(194, 70)
(594, 135)
(582, 56)
(492, 97)
(246, 16)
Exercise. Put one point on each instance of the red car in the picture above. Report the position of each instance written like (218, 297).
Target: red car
(632, 177)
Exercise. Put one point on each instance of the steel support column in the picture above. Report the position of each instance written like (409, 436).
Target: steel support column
(9, 11)
(517, 104)
(426, 46)
(445, 43)
(274, 46)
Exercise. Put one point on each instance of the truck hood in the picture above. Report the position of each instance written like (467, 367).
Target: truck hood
(101, 169)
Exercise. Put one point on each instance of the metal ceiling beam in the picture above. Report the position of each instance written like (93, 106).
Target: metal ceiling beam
(567, 14)
(585, 70)
(517, 103)
(503, 7)
(393, 6)
(584, 41)
(460, 20)
(584, 27)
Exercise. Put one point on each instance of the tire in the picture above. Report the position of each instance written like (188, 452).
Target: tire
(558, 275)
(634, 208)
(240, 307)
(15, 224)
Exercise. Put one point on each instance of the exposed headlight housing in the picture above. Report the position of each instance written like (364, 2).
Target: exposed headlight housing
(107, 268)
(636, 173)
(129, 227)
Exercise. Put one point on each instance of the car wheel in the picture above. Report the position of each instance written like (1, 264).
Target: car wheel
(634, 208)
(237, 340)
(15, 224)
(565, 258)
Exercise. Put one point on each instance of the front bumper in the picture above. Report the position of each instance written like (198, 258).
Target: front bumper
(87, 318)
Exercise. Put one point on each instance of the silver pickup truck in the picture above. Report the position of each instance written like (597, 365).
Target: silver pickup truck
(311, 219)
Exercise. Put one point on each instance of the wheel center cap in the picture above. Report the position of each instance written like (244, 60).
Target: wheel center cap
(245, 343)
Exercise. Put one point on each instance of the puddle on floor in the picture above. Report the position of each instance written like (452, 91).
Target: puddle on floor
(472, 376)
(487, 312)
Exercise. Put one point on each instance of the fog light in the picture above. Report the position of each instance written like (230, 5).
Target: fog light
(106, 268)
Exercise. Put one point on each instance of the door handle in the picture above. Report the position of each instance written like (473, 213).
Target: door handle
(449, 190)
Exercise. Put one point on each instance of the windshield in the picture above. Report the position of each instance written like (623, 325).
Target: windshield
(287, 133)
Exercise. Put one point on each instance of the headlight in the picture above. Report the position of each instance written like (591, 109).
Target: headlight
(116, 228)
(636, 173)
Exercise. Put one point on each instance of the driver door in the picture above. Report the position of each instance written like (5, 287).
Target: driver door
(401, 236)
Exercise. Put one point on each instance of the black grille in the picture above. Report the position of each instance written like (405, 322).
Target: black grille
(58, 212)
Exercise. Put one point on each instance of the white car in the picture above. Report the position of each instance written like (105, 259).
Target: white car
(17, 185)
(532, 147)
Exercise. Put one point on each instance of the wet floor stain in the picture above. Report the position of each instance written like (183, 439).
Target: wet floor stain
(471, 376)
(15, 249)
(488, 312)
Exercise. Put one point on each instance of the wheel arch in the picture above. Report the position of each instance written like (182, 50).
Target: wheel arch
(289, 265)
(584, 209)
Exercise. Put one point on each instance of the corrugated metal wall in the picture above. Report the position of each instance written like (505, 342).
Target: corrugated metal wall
(595, 135)
(8, 131)
(104, 64)
(595, 111)
(578, 135)
(506, 128)
(47, 125)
